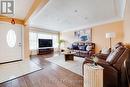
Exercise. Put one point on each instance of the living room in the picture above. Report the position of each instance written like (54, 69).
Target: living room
(65, 43)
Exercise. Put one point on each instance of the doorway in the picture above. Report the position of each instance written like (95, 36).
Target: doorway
(10, 42)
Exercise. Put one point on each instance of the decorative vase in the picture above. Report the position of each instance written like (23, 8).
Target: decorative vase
(95, 60)
(94, 63)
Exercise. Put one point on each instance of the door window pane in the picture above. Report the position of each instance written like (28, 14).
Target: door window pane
(11, 38)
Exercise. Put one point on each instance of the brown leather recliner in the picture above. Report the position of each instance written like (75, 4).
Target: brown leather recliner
(104, 56)
(112, 66)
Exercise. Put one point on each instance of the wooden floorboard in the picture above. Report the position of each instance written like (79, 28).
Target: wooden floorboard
(51, 75)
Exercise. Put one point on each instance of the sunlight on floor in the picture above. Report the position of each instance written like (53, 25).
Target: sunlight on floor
(13, 70)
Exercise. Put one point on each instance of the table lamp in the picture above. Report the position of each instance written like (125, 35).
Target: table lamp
(110, 35)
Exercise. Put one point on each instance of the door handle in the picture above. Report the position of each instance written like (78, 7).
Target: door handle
(20, 44)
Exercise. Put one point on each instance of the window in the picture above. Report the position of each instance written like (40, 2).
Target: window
(55, 41)
(33, 41)
(35, 36)
(11, 38)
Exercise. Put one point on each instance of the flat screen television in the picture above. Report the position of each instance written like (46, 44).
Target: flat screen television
(45, 43)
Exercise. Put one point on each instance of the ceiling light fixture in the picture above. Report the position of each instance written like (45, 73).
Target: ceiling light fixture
(75, 10)
(86, 18)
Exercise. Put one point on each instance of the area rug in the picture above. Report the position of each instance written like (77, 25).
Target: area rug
(13, 70)
(74, 66)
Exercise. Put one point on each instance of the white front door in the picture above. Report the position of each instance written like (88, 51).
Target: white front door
(10, 42)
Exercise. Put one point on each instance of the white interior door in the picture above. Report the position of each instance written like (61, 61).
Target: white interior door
(10, 42)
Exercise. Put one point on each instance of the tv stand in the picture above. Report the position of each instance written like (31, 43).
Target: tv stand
(45, 50)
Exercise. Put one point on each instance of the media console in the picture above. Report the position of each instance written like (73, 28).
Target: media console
(45, 50)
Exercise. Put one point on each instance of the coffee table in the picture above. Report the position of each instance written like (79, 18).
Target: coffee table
(69, 56)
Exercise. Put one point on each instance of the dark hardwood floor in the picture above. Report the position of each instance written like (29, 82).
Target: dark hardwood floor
(51, 75)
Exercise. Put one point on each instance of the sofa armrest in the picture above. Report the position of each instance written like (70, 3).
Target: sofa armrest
(100, 62)
(101, 56)
(91, 53)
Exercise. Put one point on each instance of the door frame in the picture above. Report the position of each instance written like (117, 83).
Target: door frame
(22, 38)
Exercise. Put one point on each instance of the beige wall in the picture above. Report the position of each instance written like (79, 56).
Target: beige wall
(127, 23)
(99, 34)
(68, 37)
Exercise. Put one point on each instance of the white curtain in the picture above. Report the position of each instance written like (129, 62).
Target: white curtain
(33, 41)
(55, 41)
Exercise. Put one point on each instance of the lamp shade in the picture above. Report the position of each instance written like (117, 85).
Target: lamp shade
(110, 34)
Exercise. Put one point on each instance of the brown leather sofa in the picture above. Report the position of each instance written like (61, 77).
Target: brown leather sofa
(83, 49)
(104, 56)
(113, 66)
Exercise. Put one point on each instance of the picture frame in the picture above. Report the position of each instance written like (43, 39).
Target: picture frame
(84, 34)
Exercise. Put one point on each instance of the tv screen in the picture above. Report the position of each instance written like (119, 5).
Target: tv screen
(45, 43)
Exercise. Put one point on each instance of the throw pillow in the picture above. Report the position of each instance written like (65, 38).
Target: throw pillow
(75, 47)
(105, 51)
(89, 47)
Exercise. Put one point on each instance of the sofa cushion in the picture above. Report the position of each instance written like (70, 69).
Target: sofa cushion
(81, 43)
(75, 47)
(88, 43)
(114, 55)
(82, 47)
(84, 51)
(75, 43)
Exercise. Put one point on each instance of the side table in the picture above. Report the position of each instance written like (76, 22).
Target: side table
(93, 75)
(69, 56)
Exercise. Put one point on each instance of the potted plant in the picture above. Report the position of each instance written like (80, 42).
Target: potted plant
(95, 60)
(60, 42)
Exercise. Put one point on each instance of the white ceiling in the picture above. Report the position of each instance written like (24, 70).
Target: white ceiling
(21, 8)
(65, 15)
